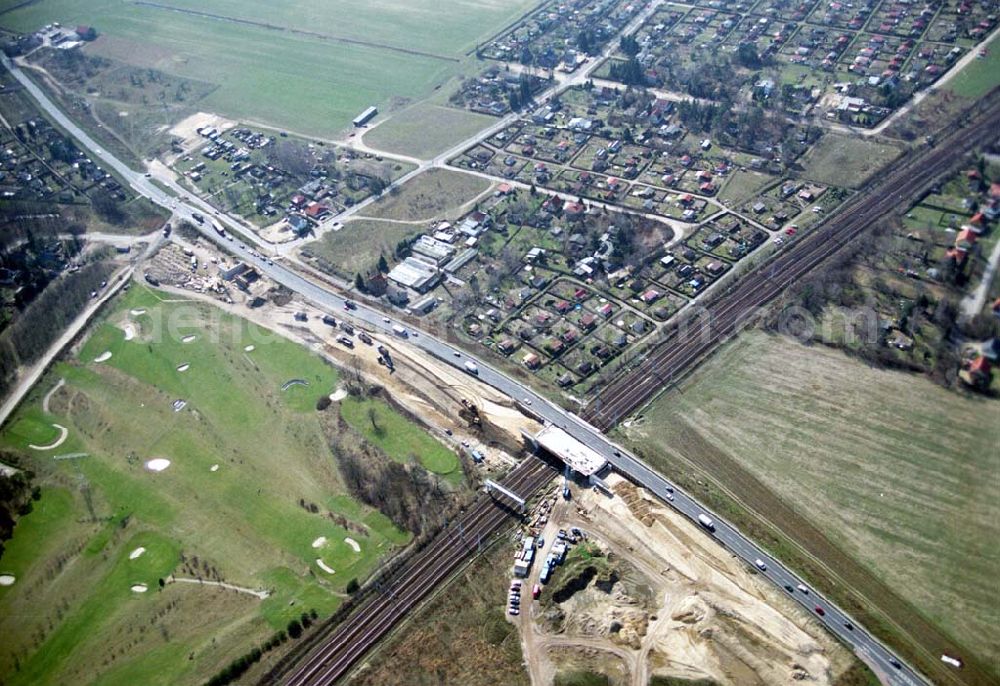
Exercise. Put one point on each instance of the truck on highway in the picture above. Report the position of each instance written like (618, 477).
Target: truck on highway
(219, 229)
(706, 521)
(400, 331)
(471, 367)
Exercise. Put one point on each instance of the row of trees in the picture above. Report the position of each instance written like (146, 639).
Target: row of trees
(238, 667)
(41, 323)
(406, 494)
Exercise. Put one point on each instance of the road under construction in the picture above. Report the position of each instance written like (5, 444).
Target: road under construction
(335, 648)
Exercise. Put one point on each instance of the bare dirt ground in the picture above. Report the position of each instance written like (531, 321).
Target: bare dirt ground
(682, 607)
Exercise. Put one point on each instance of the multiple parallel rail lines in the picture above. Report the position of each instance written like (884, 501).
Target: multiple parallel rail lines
(721, 319)
(416, 579)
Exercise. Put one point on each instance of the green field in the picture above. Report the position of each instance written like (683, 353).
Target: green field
(252, 520)
(288, 64)
(900, 473)
(426, 130)
(981, 75)
(847, 162)
(434, 194)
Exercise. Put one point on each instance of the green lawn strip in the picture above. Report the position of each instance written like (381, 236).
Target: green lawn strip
(399, 438)
(294, 595)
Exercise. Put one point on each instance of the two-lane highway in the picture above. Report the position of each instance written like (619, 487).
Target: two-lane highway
(868, 648)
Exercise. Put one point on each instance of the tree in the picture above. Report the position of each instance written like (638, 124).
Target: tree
(359, 282)
(352, 586)
(629, 45)
(383, 266)
(294, 628)
(373, 418)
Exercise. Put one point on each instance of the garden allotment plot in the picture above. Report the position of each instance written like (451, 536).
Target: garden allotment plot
(308, 65)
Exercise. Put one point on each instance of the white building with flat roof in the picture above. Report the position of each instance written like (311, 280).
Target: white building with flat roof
(578, 456)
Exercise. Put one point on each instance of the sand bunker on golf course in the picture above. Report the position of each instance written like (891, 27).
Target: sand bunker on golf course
(338, 395)
(183, 367)
(248, 348)
(214, 468)
(354, 544)
(138, 311)
(136, 553)
(139, 588)
(63, 433)
(189, 338)
(157, 464)
(7, 579)
(103, 357)
(129, 332)
(325, 567)
(319, 542)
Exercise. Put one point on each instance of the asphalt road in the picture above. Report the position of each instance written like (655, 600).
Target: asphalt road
(868, 648)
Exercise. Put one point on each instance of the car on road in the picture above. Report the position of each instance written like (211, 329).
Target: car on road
(386, 320)
(820, 611)
(350, 305)
(802, 588)
(759, 564)
(617, 453)
(147, 175)
(789, 588)
(895, 663)
(848, 626)
(527, 401)
(536, 591)
(778, 240)
(456, 353)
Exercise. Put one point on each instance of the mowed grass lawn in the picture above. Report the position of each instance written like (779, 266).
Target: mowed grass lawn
(288, 75)
(902, 474)
(426, 130)
(981, 75)
(847, 161)
(244, 458)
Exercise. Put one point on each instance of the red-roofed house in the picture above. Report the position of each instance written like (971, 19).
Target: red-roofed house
(317, 211)
(966, 238)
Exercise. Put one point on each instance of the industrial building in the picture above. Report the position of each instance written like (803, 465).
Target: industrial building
(366, 116)
(415, 273)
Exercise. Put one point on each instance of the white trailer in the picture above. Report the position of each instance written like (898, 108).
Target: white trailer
(706, 522)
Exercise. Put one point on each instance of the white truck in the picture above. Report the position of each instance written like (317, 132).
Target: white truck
(706, 522)
(471, 367)
(400, 331)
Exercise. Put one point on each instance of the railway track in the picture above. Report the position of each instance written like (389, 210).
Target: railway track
(414, 581)
(722, 318)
